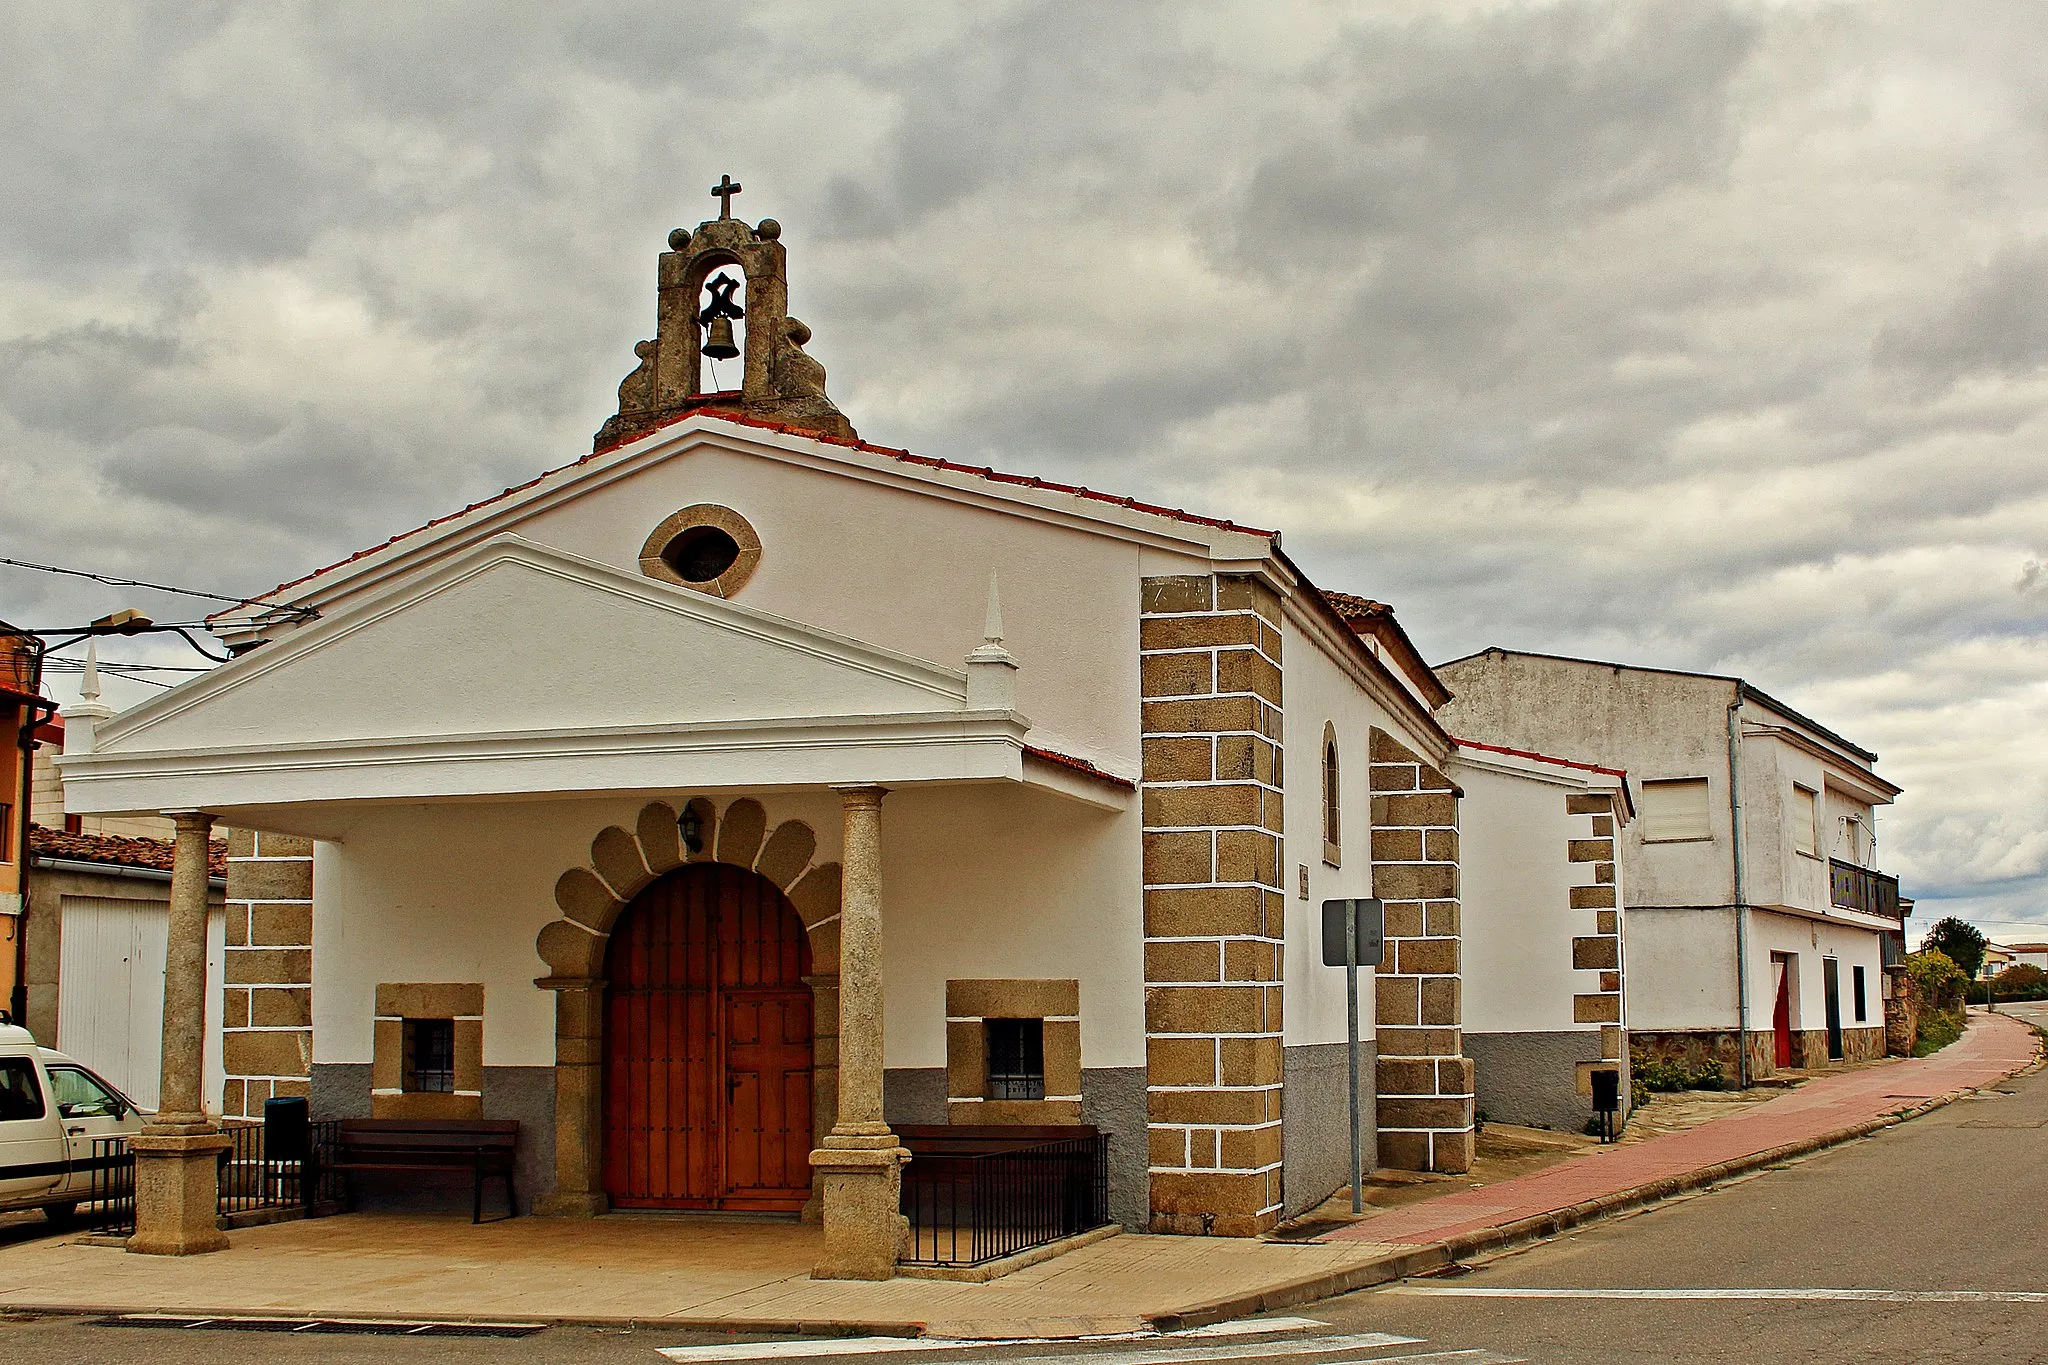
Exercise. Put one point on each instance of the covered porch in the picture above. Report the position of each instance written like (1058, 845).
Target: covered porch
(592, 917)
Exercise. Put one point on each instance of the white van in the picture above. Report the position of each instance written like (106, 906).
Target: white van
(51, 1109)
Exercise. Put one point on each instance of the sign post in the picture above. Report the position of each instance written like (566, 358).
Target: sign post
(1354, 936)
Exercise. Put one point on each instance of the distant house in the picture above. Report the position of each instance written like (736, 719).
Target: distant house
(2000, 956)
(1754, 907)
(95, 933)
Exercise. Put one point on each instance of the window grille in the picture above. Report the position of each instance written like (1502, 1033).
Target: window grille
(429, 1056)
(1016, 1059)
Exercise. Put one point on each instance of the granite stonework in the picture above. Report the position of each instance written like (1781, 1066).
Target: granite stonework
(779, 381)
(1526, 1078)
(1215, 910)
(341, 1090)
(1316, 1161)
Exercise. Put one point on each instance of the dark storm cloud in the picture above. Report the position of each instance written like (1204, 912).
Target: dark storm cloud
(1703, 334)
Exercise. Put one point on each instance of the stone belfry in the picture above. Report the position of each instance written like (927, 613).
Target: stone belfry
(778, 383)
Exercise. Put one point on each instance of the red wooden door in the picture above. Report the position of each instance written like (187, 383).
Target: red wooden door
(708, 1046)
(1781, 1012)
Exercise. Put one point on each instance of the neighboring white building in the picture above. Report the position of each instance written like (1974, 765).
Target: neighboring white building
(1799, 890)
(1546, 980)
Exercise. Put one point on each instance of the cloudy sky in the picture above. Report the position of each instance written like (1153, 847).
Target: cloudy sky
(1699, 335)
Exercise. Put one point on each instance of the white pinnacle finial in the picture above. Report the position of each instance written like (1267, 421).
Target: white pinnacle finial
(991, 669)
(992, 629)
(89, 686)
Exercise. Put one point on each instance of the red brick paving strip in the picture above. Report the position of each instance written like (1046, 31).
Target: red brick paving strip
(1994, 1047)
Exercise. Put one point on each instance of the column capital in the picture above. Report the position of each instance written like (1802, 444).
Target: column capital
(859, 795)
(200, 820)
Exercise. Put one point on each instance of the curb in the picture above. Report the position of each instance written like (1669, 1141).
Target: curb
(1437, 1255)
(763, 1327)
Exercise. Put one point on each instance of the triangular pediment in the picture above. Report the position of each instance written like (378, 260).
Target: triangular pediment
(514, 637)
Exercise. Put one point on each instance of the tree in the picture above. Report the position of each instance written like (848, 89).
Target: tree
(1960, 942)
(2021, 980)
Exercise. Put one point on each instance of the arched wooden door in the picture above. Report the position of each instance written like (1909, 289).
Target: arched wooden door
(707, 1041)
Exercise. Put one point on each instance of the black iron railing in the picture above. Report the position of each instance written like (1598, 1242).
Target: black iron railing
(110, 1205)
(976, 1194)
(1858, 888)
(251, 1179)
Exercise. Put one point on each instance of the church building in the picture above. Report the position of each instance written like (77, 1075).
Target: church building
(723, 801)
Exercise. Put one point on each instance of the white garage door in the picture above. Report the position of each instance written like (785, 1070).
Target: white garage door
(110, 992)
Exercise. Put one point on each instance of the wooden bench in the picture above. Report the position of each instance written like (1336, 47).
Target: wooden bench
(483, 1147)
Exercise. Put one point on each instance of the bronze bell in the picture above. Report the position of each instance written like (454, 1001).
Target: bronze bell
(718, 342)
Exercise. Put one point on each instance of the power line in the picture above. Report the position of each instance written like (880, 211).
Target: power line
(116, 581)
(56, 664)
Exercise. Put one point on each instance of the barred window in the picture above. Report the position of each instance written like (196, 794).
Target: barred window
(429, 1056)
(1016, 1059)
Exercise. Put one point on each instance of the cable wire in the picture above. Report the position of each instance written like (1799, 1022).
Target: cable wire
(116, 581)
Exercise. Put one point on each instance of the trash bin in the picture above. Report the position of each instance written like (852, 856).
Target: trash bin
(287, 1129)
(288, 1155)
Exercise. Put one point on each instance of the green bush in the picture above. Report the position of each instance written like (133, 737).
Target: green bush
(1937, 1031)
(1939, 989)
(2021, 982)
(1938, 983)
(1665, 1075)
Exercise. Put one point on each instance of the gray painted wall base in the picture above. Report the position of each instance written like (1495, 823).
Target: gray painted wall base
(1532, 1078)
(1315, 1157)
(1112, 1099)
(341, 1090)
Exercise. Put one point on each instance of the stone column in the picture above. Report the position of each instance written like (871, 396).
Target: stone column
(579, 1100)
(860, 1166)
(177, 1191)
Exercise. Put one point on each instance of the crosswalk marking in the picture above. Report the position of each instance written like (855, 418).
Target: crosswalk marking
(1176, 1348)
(1837, 1295)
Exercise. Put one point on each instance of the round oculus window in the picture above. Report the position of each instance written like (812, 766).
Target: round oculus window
(701, 554)
(708, 548)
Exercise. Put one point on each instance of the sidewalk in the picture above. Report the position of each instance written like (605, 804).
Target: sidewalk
(749, 1276)
(1818, 1113)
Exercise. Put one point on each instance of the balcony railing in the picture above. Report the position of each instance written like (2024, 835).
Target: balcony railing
(1860, 889)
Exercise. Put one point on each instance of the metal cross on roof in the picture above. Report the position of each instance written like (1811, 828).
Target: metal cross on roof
(723, 192)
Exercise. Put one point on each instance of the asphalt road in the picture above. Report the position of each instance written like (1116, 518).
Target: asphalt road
(1953, 1201)
(1945, 1211)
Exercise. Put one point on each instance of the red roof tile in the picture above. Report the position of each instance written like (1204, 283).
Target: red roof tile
(1083, 766)
(742, 419)
(1541, 758)
(117, 850)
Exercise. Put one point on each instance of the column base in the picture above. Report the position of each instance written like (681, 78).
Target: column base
(177, 1193)
(572, 1205)
(861, 1190)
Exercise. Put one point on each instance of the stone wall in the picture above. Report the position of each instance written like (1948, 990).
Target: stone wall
(1424, 1080)
(1214, 910)
(267, 982)
(1600, 949)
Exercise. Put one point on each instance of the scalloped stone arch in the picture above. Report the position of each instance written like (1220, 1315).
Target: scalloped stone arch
(591, 898)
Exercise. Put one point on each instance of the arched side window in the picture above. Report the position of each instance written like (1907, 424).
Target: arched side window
(1333, 812)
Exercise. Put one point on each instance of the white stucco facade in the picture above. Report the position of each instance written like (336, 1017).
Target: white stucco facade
(1703, 752)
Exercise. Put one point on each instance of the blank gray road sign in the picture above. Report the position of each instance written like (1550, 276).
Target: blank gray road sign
(1371, 917)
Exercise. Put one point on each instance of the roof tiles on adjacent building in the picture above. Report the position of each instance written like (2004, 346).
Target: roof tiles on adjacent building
(117, 850)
